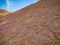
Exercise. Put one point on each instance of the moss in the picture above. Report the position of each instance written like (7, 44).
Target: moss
(52, 42)
(57, 35)
(55, 41)
(31, 41)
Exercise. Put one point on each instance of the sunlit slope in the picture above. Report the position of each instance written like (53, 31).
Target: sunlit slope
(37, 24)
(3, 12)
(3, 16)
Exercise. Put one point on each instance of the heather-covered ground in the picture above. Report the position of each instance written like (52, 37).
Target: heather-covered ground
(37, 24)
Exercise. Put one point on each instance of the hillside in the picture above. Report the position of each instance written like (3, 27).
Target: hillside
(37, 24)
(3, 15)
(3, 12)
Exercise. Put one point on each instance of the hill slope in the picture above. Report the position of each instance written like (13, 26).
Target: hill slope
(3, 15)
(3, 12)
(37, 24)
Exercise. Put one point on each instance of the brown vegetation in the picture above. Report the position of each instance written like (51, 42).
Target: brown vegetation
(37, 24)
